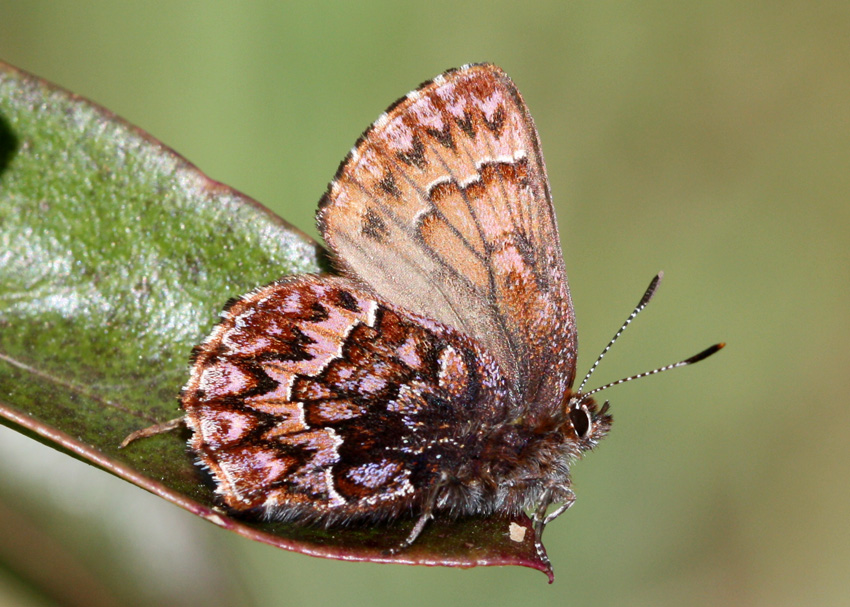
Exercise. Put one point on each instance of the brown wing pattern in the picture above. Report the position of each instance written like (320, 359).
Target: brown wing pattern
(443, 208)
(313, 400)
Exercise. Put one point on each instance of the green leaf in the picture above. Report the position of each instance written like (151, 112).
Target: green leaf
(116, 255)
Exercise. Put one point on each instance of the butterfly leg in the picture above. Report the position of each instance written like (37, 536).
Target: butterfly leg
(152, 431)
(541, 519)
(414, 533)
(569, 500)
(427, 515)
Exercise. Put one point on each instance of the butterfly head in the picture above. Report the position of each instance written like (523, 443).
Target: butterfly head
(588, 422)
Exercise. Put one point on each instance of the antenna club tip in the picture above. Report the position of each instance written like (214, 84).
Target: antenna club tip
(660, 274)
(705, 353)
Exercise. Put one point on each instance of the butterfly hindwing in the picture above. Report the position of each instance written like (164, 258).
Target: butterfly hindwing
(312, 399)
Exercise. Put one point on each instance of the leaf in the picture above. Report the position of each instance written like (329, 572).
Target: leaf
(116, 255)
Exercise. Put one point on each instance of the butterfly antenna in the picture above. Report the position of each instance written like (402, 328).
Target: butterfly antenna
(683, 363)
(650, 292)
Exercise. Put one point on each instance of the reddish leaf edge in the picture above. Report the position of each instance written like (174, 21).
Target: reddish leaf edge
(365, 554)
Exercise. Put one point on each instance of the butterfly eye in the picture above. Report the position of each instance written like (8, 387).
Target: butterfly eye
(580, 419)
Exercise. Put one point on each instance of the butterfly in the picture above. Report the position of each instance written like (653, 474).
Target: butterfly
(433, 375)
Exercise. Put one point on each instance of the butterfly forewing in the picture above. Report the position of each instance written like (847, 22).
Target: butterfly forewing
(443, 208)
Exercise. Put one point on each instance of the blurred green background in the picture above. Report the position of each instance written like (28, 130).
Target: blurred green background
(710, 140)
